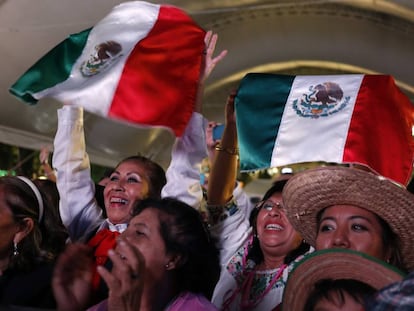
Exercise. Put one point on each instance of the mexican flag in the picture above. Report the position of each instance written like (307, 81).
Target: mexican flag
(365, 119)
(140, 64)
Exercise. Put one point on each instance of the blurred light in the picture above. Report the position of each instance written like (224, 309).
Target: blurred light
(7, 173)
(273, 171)
(287, 170)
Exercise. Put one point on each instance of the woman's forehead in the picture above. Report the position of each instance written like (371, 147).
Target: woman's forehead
(148, 213)
(341, 209)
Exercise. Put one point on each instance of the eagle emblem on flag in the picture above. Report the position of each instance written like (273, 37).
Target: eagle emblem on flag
(322, 100)
(105, 54)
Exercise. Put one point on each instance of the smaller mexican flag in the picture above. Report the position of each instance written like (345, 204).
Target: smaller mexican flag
(284, 120)
(140, 64)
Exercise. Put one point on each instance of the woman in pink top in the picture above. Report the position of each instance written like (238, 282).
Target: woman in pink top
(164, 260)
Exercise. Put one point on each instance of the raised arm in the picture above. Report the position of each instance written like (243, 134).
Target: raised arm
(223, 173)
(78, 208)
(228, 215)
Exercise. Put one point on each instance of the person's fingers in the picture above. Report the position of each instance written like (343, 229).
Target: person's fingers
(207, 37)
(212, 124)
(128, 266)
(219, 57)
(110, 280)
(212, 44)
(230, 99)
(74, 261)
(132, 254)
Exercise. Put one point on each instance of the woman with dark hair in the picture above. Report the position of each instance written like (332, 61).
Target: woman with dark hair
(31, 236)
(55, 242)
(338, 206)
(164, 260)
(133, 179)
(257, 250)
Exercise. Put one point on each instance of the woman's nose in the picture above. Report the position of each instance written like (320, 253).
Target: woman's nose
(340, 239)
(275, 211)
(118, 185)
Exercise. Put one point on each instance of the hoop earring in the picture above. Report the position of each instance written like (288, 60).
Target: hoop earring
(15, 249)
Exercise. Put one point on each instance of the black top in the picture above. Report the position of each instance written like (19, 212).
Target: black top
(28, 288)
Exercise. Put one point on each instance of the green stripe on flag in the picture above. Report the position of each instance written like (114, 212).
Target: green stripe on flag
(54, 68)
(259, 105)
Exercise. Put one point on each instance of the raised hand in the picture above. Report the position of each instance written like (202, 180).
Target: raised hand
(210, 62)
(126, 280)
(72, 278)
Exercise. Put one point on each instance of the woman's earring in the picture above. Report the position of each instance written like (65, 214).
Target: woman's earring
(15, 249)
(167, 266)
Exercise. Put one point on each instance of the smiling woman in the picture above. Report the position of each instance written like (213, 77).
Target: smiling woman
(258, 247)
(165, 260)
(353, 208)
(133, 179)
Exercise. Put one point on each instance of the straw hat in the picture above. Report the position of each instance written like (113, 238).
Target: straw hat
(309, 192)
(335, 264)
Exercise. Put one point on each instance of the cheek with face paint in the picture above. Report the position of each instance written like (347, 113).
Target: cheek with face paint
(128, 184)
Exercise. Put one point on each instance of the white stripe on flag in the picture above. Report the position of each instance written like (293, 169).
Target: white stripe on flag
(138, 18)
(298, 135)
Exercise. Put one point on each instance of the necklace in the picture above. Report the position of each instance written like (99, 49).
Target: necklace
(245, 288)
(246, 303)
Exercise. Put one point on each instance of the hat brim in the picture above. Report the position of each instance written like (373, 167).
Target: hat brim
(335, 264)
(309, 192)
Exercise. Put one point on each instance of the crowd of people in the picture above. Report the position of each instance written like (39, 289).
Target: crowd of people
(335, 237)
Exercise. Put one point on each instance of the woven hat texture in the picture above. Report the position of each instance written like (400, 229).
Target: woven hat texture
(309, 192)
(335, 264)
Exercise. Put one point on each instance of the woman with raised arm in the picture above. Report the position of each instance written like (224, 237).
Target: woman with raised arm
(134, 178)
(257, 250)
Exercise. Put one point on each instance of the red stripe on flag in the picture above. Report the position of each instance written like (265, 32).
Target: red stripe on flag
(158, 85)
(380, 129)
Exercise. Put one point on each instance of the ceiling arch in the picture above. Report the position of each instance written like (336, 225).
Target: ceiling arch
(311, 38)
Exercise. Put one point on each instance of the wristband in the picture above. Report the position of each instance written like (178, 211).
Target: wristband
(231, 151)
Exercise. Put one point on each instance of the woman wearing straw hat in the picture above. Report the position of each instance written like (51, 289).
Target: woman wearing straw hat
(347, 207)
(257, 249)
(336, 279)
